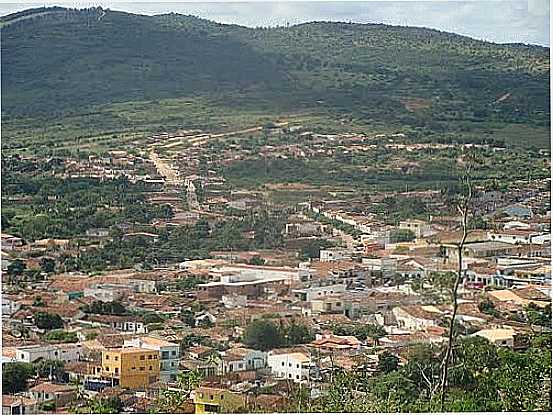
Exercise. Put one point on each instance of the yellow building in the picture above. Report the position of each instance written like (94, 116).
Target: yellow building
(215, 400)
(130, 367)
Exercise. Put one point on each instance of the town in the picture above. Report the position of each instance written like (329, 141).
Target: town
(252, 270)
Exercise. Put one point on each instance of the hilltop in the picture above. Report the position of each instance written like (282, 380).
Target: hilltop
(61, 65)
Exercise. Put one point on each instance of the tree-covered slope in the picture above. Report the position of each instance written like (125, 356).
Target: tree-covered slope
(58, 61)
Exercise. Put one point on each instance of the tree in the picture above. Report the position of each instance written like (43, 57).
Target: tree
(540, 316)
(48, 321)
(187, 317)
(152, 318)
(256, 260)
(463, 206)
(15, 376)
(486, 306)
(47, 265)
(401, 235)
(16, 268)
(387, 362)
(263, 335)
(297, 334)
(51, 369)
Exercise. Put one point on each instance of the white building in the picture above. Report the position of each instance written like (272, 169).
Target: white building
(107, 292)
(241, 359)
(67, 353)
(419, 227)
(498, 337)
(169, 355)
(313, 293)
(333, 254)
(520, 236)
(294, 366)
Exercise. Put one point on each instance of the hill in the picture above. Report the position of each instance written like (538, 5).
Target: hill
(60, 65)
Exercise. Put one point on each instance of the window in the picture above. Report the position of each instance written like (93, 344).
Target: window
(222, 397)
(107, 357)
(172, 364)
(107, 368)
(298, 366)
(151, 368)
(282, 363)
(142, 368)
(116, 370)
(297, 376)
(289, 364)
(134, 368)
(142, 357)
(173, 352)
(210, 397)
(149, 357)
(116, 358)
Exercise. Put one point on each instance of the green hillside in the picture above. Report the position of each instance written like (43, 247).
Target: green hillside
(67, 73)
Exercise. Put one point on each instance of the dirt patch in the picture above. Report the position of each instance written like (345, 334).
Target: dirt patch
(416, 104)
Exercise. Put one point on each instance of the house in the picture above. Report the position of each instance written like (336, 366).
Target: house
(312, 293)
(289, 365)
(64, 352)
(333, 254)
(485, 249)
(240, 359)
(518, 211)
(519, 236)
(169, 355)
(331, 342)
(10, 242)
(130, 367)
(97, 232)
(60, 395)
(9, 306)
(108, 292)
(127, 324)
(18, 405)
(216, 400)
(416, 317)
(498, 337)
(420, 228)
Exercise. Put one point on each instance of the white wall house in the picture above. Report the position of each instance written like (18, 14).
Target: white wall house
(240, 359)
(519, 236)
(415, 317)
(67, 353)
(327, 255)
(313, 293)
(294, 366)
(418, 227)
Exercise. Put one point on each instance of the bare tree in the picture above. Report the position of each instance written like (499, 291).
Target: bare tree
(463, 206)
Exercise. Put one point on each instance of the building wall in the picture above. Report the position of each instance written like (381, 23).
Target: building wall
(134, 370)
(286, 366)
(210, 400)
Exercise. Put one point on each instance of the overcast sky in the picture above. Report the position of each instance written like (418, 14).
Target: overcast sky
(501, 21)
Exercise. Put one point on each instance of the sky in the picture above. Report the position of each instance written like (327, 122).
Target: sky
(500, 21)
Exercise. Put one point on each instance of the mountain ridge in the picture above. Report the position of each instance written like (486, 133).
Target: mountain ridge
(70, 61)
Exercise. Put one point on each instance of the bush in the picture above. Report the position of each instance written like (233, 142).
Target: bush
(48, 321)
(263, 335)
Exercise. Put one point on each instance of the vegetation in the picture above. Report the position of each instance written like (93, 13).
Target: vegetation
(15, 376)
(130, 74)
(110, 307)
(483, 378)
(48, 321)
(61, 336)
